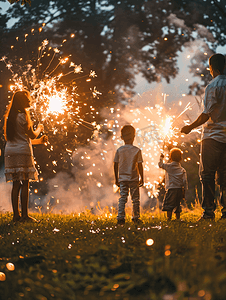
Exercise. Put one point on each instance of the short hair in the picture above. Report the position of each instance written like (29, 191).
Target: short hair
(176, 154)
(217, 62)
(128, 132)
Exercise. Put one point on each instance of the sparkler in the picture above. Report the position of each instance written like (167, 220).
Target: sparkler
(57, 103)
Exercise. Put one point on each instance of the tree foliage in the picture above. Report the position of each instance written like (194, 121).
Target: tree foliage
(122, 38)
(22, 1)
(117, 39)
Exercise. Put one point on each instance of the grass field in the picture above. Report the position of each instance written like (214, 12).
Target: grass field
(85, 256)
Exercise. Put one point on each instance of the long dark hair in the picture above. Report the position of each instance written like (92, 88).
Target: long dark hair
(17, 105)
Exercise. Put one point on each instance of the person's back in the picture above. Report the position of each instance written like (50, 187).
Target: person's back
(175, 183)
(20, 142)
(128, 157)
(174, 176)
(127, 168)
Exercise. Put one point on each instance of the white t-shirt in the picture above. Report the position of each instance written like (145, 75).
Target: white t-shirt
(21, 144)
(175, 175)
(215, 107)
(128, 157)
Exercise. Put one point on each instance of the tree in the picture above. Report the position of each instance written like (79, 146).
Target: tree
(117, 39)
(22, 1)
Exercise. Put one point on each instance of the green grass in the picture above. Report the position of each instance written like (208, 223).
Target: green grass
(88, 257)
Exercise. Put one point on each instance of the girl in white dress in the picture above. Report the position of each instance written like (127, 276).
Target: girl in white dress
(19, 161)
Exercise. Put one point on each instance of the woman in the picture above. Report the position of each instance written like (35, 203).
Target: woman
(19, 161)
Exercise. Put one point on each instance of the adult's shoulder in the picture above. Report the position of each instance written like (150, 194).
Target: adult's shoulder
(219, 80)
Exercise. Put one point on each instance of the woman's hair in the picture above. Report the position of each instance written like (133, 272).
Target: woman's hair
(17, 104)
(176, 154)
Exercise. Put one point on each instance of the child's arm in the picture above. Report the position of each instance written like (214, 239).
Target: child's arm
(116, 173)
(160, 164)
(141, 172)
(41, 140)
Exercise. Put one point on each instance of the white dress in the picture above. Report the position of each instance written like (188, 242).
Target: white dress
(19, 160)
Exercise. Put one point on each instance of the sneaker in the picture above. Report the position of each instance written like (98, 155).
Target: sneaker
(121, 222)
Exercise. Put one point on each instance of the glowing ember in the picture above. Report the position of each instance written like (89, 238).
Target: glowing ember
(2, 276)
(149, 242)
(10, 266)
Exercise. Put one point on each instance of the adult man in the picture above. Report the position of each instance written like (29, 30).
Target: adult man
(213, 145)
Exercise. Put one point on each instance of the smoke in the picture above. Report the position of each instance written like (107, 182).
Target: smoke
(90, 183)
(203, 32)
(200, 30)
(176, 21)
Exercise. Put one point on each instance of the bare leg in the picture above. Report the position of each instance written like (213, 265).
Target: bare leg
(24, 202)
(169, 215)
(24, 198)
(15, 200)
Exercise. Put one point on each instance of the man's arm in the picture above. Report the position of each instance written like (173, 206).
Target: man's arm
(199, 121)
(116, 173)
(141, 172)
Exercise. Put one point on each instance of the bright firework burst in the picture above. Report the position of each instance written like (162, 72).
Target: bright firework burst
(58, 105)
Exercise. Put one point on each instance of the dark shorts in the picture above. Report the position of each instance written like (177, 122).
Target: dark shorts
(172, 200)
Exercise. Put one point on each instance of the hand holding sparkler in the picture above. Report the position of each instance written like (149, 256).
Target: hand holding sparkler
(186, 129)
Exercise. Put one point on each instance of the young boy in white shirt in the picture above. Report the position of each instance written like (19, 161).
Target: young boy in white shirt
(128, 171)
(175, 183)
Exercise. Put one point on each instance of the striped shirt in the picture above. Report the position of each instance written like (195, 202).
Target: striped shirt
(175, 175)
(215, 107)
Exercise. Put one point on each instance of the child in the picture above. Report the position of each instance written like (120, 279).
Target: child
(175, 183)
(127, 168)
(19, 161)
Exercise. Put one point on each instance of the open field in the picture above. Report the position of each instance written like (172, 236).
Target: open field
(88, 257)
